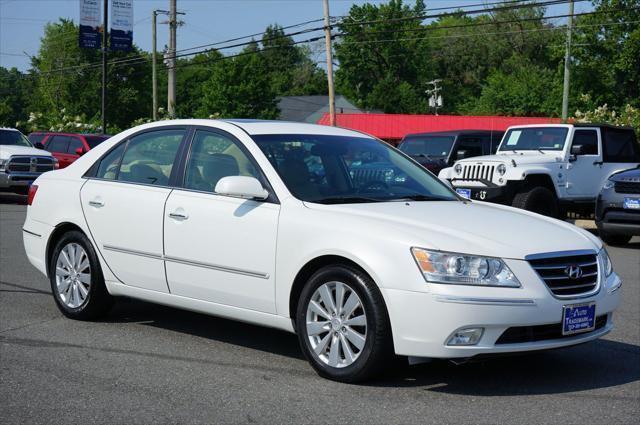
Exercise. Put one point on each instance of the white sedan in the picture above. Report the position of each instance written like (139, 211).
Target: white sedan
(320, 231)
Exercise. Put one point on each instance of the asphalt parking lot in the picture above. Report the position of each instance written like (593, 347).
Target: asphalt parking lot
(148, 363)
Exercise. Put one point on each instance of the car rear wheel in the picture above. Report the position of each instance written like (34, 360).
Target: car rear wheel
(342, 324)
(76, 279)
(537, 199)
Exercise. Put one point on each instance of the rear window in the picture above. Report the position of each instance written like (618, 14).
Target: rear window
(94, 141)
(620, 145)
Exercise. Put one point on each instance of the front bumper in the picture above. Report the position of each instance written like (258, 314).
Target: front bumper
(423, 322)
(488, 193)
(16, 181)
(613, 218)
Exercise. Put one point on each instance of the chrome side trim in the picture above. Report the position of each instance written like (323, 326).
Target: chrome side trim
(132, 252)
(216, 267)
(187, 262)
(31, 233)
(556, 254)
(488, 301)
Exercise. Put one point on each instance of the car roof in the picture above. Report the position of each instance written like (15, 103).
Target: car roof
(60, 133)
(455, 133)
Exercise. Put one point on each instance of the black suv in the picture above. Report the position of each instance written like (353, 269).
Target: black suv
(618, 207)
(439, 150)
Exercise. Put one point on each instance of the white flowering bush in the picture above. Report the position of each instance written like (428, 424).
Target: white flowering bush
(60, 122)
(628, 116)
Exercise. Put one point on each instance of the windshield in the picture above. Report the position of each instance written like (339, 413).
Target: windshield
(435, 147)
(338, 169)
(14, 138)
(534, 138)
(94, 141)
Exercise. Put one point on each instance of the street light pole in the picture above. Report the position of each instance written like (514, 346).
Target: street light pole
(171, 89)
(105, 22)
(327, 39)
(567, 66)
(154, 75)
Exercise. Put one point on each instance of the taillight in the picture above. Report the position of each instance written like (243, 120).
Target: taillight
(32, 193)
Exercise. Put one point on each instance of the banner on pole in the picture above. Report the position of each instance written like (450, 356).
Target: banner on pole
(121, 37)
(90, 34)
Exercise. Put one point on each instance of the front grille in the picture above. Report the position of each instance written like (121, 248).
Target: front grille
(556, 272)
(361, 176)
(22, 164)
(478, 172)
(627, 187)
(524, 334)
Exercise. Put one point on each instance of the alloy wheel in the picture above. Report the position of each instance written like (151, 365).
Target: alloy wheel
(73, 275)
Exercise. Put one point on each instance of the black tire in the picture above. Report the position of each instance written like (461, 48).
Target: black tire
(98, 301)
(613, 239)
(378, 346)
(537, 199)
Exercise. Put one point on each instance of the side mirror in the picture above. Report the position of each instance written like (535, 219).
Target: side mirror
(80, 151)
(461, 154)
(241, 187)
(38, 145)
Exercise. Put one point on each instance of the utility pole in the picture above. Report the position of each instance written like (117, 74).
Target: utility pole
(567, 66)
(435, 98)
(154, 59)
(105, 22)
(327, 40)
(171, 89)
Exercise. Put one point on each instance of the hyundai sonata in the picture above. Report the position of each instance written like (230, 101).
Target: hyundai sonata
(321, 231)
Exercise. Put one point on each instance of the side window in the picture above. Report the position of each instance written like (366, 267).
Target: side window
(149, 157)
(74, 144)
(620, 145)
(588, 139)
(58, 144)
(108, 168)
(212, 157)
(470, 146)
(36, 138)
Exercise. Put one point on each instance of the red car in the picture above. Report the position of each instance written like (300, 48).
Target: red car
(67, 147)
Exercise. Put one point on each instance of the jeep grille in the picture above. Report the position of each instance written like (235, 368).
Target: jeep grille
(478, 172)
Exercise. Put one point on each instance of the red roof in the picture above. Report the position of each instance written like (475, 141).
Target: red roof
(396, 126)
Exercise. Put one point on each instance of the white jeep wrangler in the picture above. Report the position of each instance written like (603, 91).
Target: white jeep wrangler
(550, 169)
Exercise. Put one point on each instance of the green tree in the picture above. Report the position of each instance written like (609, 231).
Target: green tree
(382, 64)
(15, 92)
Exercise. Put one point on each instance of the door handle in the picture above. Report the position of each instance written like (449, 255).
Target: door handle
(178, 216)
(96, 203)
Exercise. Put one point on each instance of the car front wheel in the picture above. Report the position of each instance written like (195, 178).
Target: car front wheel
(342, 324)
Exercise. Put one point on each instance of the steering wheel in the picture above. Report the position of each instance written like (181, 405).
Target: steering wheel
(374, 186)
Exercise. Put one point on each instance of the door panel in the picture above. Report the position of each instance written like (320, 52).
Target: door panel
(584, 174)
(125, 221)
(222, 249)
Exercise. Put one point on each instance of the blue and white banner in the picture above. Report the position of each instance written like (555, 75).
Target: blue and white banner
(121, 24)
(90, 35)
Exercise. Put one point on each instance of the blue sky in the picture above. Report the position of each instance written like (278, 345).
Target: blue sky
(206, 21)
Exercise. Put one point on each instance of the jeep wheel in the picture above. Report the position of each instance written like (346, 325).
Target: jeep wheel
(538, 200)
(613, 239)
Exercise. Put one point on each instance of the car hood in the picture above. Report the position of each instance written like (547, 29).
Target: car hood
(632, 175)
(467, 227)
(6, 151)
(520, 158)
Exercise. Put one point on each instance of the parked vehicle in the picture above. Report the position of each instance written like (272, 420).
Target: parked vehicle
(618, 208)
(67, 147)
(226, 217)
(438, 150)
(548, 169)
(20, 162)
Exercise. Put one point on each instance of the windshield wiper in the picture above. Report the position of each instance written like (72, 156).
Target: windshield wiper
(420, 197)
(345, 200)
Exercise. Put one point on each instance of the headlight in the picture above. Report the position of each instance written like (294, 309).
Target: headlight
(461, 269)
(501, 169)
(3, 162)
(605, 261)
(608, 184)
(458, 169)
(56, 164)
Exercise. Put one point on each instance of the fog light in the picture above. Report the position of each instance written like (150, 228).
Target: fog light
(466, 336)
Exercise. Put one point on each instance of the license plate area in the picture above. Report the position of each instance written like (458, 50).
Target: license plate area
(465, 193)
(631, 203)
(578, 318)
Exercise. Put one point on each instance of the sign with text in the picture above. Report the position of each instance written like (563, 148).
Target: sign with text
(121, 37)
(90, 34)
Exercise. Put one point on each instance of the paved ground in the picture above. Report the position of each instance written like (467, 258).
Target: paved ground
(146, 363)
